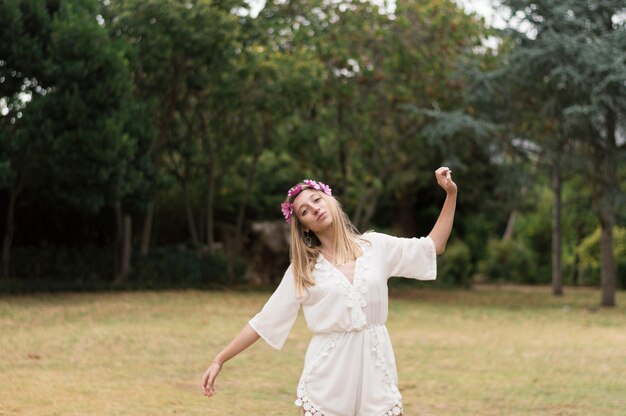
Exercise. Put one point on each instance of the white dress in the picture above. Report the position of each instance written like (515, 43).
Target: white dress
(349, 368)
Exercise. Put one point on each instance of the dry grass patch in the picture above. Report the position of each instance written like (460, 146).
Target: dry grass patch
(490, 351)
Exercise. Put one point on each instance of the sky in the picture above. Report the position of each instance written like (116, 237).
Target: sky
(484, 8)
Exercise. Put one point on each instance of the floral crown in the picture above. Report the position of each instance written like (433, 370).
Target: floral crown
(287, 208)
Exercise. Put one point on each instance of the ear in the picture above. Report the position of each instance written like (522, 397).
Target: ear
(305, 230)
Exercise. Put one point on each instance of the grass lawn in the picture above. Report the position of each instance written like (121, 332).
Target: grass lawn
(490, 351)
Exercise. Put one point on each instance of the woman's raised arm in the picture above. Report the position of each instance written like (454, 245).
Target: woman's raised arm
(441, 231)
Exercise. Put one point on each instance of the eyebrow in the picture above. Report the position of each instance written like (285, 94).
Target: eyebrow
(305, 204)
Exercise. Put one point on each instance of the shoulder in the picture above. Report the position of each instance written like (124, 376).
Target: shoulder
(374, 236)
(375, 239)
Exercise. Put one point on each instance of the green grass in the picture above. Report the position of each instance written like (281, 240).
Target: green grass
(506, 351)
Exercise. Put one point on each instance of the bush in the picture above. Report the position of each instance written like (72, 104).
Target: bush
(180, 267)
(509, 261)
(53, 268)
(589, 253)
(455, 266)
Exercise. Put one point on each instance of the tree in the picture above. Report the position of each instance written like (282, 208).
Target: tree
(72, 128)
(570, 64)
(180, 52)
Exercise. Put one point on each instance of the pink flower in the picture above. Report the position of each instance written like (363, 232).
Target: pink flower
(325, 188)
(320, 186)
(294, 191)
(287, 210)
(313, 184)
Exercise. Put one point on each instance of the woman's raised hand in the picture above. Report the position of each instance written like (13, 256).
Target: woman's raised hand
(444, 179)
(209, 378)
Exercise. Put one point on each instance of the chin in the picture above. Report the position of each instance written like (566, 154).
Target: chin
(324, 225)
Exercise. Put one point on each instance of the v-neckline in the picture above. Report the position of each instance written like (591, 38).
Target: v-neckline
(343, 276)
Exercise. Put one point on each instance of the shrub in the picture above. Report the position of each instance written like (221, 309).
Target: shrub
(54, 268)
(509, 261)
(589, 253)
(455, 266)
(175, 266)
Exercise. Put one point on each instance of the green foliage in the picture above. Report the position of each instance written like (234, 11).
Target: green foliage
(53, 268)
(588, 252)
(193, 100)
(72, 128)
(455, 266)
(533, 227)
(176, 266)
(509, 261)
(58, 268)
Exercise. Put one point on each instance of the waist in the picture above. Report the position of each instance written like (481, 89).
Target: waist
(346, 331)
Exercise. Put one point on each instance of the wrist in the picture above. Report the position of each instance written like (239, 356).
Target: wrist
(218, 362)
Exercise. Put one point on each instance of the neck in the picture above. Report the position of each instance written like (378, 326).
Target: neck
(326, 238)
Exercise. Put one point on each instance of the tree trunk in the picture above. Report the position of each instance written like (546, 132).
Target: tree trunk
(510, 225)
(607, 266)
(241, 216)
(557, 276)
(267, 125)
(124, 249)
(210, 219)
(370, 209)
(575, 269)
(191, 222)
(341, 143)
(146, 233)
(127, 248)
(403, 223)
(609, 188)
(119, 238)
(359, 211)
(9, 230)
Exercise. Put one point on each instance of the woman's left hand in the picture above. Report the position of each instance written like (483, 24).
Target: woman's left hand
(444, 179)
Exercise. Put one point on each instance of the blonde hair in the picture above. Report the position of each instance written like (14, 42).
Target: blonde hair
(345, 242)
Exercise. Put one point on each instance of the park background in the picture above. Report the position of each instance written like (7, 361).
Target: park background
(145, 147)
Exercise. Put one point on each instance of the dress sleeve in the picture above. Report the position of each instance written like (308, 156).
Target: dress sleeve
(414, 258)
(278, 315)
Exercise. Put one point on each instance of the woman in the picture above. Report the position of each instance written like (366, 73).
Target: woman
(340, 279)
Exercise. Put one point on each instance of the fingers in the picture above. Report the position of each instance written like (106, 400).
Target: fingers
(208, 380)
(207, 383)
(211, 381)
(444, 179)
(443, 176)
(443, 171)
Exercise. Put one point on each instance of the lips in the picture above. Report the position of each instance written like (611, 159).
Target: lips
(321, 217)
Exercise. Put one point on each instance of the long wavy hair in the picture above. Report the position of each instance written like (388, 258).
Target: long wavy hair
(345, 241)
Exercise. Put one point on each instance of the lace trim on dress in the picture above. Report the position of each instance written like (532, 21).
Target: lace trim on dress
(303, 400)
(380, 361)
(356, 298)
(395, 410)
